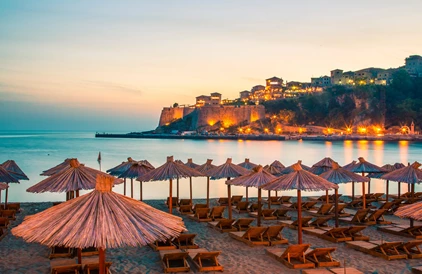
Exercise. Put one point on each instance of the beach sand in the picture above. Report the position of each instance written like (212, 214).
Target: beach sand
(17, 256)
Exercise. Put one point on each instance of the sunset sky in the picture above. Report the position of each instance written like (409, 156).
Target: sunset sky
(113, 65)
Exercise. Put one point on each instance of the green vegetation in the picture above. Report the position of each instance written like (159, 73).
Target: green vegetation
(340, 106)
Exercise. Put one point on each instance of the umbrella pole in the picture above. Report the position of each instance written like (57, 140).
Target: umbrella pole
(326, 197)
(190, 187)
(276, 194)
(229, 195)
(79, 255)
(386, 191)
(299, 217)
(413, 197)
(170, 196)
(102, 260)
(208, 192)
(369, 186)
(269, 199)
(247, 198)
(399, 194)
(336, 205)
(77, 193)
(363, 194)
(259, 207)
(5, 199)
(140, 191)
(131, 187)
(353, 191)
(408, 187)
(177, 189)
(124, 187)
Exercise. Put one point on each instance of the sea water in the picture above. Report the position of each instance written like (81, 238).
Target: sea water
(35, 152)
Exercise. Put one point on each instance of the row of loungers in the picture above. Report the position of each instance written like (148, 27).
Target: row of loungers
(338, 234)
(262, 235)
(389, 250)
(403, 230)
(89, 265)
(7, 215)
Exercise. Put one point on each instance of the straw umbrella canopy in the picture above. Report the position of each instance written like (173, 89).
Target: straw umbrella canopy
(412, 211)
(204, 170)
(227, 170)
(102, 219)
(10, 165)
(338, 175)
(3, 186)
(349, 165)
(378, 175)
(410, 175)
(169, 171)
(247, 164)
(119, 169)
(301, 180)
(7, 177)
(191, 164)
(277, 164)
(135, 170)
(363, 167)
(256, 178)
(57, 168)
(290, 168)
(272, 169)
(322, 166)
(71, 179)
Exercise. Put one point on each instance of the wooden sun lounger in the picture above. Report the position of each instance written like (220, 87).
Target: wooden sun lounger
(332, 234)
(65, 266)
(281, 214)
(4, 222)
(347, 270)
(355, 203)
(95, 268)
(197, 206)
(216, 213)
(166, 245)
(404, 195)
(321, 198)
(292, 206)
(285, 199)
(293, 256)
(89, 251)
(185, 209)
(274, 236)
(253, 236)
(201, 215)
(9, 214)
(266, 214)
(406, 231)
(174, 201)
(205, 260)
(309, 205)
(323, 210)
(273, 200)
(412, 249)
(377, 217)
(236, 198)
(223, 201)
(320, 222)
(185, 241)
(14, 206)
(355, 233)
(174, 261)
(332, 197)
(243, 224)
(358, 218)
(241, 207)
(294, 224)
(184, 202)
(340, 210)
(253, 207)
(223, 225)
(60, 252)
(385, 250)
(321, 257)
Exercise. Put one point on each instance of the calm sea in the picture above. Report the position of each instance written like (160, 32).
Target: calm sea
(38, 151)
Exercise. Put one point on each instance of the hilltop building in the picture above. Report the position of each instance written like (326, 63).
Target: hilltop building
(413, 65)
(205, 100)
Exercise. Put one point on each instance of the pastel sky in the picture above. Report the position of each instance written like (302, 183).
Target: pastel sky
(113, 65)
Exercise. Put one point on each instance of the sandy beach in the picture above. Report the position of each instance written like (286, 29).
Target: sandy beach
(21, 257)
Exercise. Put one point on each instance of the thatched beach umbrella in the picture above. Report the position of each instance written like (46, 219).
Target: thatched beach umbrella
(411, 175)
(247, 164)
(10, 165)
(135, 170)
(388, 168)
(7, 177)
(412, 211)
(338, 175)
(204, 170)
(71, 179)
(290, 168)
(301, 180)
(119, 169)
(322, 166)
(227, 170)
(363, 167)
(169, 171)
(275, 169)
(101, 219)
(256, 178)
(57, 168)
(3, 186)
(191, 164)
